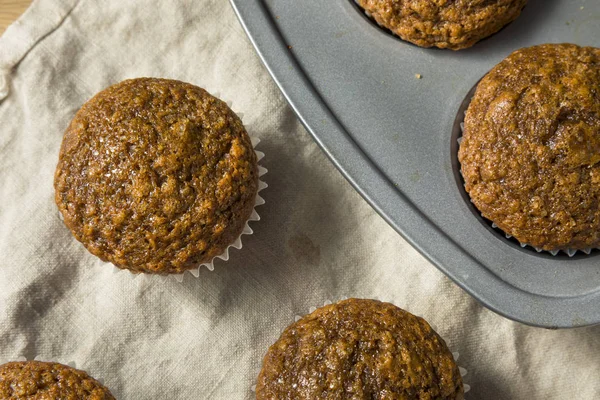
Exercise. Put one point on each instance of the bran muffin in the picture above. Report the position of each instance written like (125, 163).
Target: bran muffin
(36, 380)
(531, 146)
(451, 24)
(359, 349)
(156, 176)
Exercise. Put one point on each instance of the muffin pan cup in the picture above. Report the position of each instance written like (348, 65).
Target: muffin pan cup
(384, 112)
(568, 252)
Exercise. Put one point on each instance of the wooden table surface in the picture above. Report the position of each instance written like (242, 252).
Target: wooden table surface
(10, 10)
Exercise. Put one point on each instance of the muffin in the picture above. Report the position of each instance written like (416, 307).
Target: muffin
(37, 380)
(447, 24)
(531, 146)
(359, 349)
(156, 176)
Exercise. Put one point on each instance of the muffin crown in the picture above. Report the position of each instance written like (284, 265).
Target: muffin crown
(359, 349)
(531, 146)
(452, 24)
(38, 380)
(156, 175)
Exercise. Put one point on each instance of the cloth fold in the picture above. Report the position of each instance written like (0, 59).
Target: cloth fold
(154, 338)
(37, 22)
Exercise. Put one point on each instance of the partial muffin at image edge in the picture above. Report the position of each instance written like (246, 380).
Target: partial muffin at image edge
(48, 381)
(530, 152)
(156, 176)
(359, 348)
(451, 24)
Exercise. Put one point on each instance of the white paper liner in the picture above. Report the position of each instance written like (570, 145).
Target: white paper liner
(569, 252)
(455, 354)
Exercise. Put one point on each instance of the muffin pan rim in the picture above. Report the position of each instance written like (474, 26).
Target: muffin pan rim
(466, 269)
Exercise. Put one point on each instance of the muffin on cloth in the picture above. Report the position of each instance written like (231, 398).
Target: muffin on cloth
(36, 380)
(531, 146)
(452, 24)
(359, 349)
(156, 176)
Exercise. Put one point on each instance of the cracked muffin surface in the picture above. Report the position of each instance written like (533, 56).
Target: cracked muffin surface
(36, 380)
(359, 349)
(156, 176)
(531, 146)
(452, 24)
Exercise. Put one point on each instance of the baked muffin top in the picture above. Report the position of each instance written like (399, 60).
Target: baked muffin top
(359, 349)
(531, 146)
(452, 24)
(156, 175)
(36, 380)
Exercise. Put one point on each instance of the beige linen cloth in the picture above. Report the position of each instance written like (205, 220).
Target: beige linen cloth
(318, 240)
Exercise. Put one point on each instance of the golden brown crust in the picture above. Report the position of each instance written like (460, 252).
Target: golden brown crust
(156, 176)
(36, 380)
(531, 146)
(359, 349)
(452, 24)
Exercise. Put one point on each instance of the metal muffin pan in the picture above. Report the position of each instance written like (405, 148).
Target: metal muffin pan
(356, 89)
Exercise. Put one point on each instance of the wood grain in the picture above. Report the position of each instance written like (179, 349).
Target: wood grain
(10, 10)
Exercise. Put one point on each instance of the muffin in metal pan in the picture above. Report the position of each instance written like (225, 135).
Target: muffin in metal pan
(447, 24)
(530, 153)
